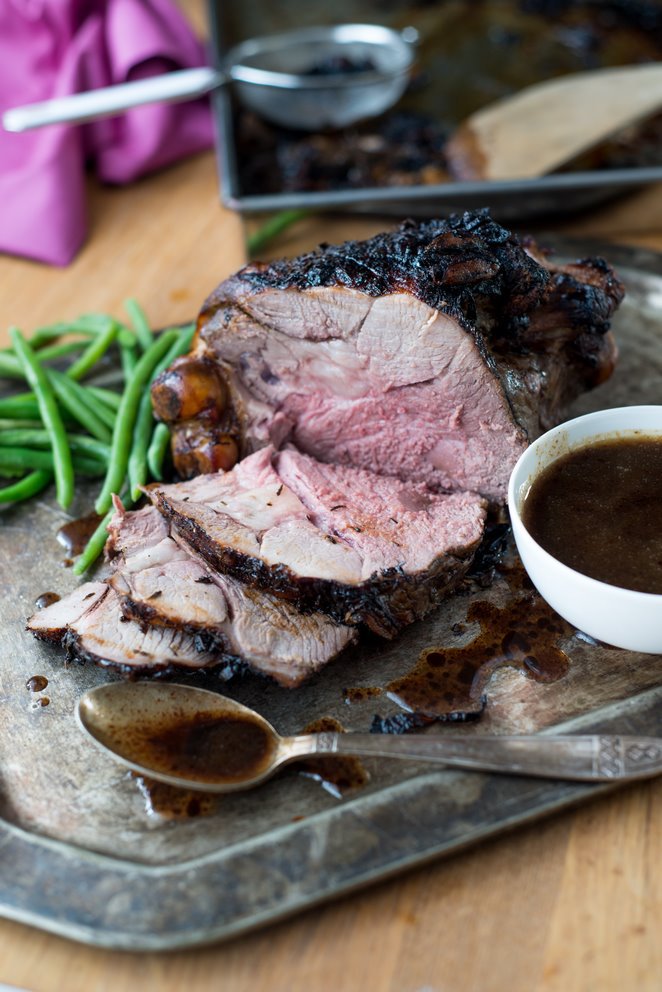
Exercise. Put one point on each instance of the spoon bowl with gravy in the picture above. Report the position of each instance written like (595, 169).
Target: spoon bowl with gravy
(197, 739)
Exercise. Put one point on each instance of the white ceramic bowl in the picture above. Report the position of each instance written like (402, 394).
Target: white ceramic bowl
(622, 617)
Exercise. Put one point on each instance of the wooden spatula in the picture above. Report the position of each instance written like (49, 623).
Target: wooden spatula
(544, 126)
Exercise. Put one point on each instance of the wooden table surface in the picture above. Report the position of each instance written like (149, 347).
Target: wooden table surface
(571, 904)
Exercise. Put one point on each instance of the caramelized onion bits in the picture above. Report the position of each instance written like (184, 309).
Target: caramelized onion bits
(199, 448)
(189, 388)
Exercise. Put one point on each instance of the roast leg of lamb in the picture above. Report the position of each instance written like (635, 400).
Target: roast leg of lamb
(434, 353)
(377, 396)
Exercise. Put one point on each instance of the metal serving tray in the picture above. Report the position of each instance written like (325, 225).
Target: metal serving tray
(81, 855)
(508, 200)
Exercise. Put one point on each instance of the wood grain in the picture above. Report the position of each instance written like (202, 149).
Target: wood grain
(573, 903)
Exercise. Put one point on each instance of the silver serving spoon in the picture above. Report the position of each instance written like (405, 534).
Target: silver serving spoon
(271, 76)
(197, 739)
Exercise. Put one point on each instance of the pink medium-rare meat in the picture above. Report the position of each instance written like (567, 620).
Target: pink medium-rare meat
(160, 583)
(358, 547)
(435, 353)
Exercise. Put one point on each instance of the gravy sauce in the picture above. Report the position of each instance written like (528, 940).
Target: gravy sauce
(206, 747)
(598, 510)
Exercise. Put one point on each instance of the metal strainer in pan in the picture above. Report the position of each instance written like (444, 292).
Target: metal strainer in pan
(310, 79)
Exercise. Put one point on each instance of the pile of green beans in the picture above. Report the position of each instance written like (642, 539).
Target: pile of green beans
(64, 427)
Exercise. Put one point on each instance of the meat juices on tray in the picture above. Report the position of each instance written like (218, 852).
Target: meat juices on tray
(380, 393)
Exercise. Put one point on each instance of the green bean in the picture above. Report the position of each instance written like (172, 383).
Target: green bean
(87, 396)
(272, 228)
(126, 337)
(24, 405)
(36, 438)
(157, 450)
(105, 396)
(91, 467)
(13, 424)
(28, 486)
(22, 458)
(46, 335)
(73, 397)
(88, 324)
(140, 323)
(129, 358)
(55, 351)
(126, 418)
(186, 335)
(89, 446)
(11, 368)
(78, 401)
(94, 351)
(94, 546)
(40, 338)
(50, 414)
(142, 433)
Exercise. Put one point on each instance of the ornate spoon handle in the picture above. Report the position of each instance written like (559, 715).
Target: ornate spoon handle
(590, 758)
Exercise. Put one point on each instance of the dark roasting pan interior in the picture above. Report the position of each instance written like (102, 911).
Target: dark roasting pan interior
(470, 53)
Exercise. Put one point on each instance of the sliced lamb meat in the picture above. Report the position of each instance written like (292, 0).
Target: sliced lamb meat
(160, 583)
(52, 623)
(434, 353)
(90, 626)
(359, 547)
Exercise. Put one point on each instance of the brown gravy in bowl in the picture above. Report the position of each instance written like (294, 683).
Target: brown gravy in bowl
(598, 510)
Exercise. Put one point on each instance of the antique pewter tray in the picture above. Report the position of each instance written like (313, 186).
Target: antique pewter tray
(469, 55)
(81, 856)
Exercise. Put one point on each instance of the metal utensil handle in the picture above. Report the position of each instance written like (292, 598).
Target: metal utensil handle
(590, 758)
(185, 84)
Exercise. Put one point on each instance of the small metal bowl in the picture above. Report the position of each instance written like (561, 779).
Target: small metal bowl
(621, 617)
(272, 75)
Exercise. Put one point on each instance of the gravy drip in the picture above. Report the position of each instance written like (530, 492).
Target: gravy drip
(74, 535)
(451, 683)
(167, 802)
(336, 775)
(46, 599)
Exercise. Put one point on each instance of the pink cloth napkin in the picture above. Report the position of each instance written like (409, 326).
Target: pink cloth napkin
(54, 47)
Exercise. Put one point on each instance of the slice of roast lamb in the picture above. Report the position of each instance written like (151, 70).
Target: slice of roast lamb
(359, 547)
(90, 626)
(160, 583)
(435, 353)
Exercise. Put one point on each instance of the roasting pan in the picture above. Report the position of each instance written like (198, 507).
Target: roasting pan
(84, 855)
(466, 59)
